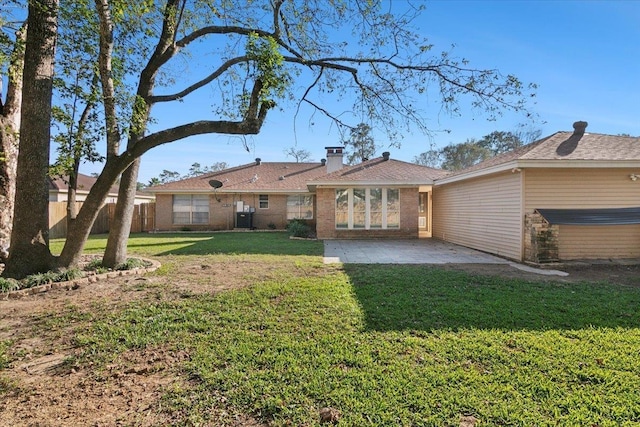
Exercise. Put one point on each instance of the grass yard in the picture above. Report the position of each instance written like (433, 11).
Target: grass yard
(232, 243)
(402, 345)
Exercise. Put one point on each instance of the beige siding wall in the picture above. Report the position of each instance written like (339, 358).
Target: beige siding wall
(587, 188)
(326, 225)
(483, 213)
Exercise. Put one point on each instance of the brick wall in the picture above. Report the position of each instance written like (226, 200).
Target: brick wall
(540, 239)
(326, 227)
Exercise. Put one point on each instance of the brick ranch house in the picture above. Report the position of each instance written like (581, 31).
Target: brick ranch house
(571, 195)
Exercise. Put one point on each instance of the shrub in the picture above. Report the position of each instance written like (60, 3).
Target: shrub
(70, 274)
(131, 263)
(271, 226)
(299, 228)
(40, 279)
(8, 285)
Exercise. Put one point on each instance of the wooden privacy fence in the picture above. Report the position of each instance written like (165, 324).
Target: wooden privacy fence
(143, 218)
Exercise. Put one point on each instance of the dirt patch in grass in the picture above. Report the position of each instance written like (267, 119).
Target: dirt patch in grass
(45, 384)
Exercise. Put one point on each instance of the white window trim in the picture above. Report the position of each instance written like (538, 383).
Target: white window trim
(260, 201)
(367, 224)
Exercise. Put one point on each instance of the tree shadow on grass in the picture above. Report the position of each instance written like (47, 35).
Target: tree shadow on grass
(419, 297)
(251, 243)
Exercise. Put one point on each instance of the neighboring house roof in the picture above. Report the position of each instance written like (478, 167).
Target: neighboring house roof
(60, 184)
(85, 182)
(562, 149)
(381, 171)
(267, 177)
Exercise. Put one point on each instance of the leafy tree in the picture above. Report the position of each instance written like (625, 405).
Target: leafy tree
(76, 88)
(464, 155)
(197, 170)
(431, 158)
(360, 145)
(299, 154)
(29, 250)
(256, 51)
(499, 142)
(472, 151)
(168, 176)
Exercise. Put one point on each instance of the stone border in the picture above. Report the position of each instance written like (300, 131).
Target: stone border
(76, 283)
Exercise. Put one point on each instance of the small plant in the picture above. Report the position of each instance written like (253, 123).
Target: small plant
(271, 226)
(40, 279)
(96, 266)
(71, 274)
(130, 264)
(4, 358)
(8, 285)
(299, 228)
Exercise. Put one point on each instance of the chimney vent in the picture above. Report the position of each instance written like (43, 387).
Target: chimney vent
(258, 161)
(334, 158)
(580, 127)
(386, 155)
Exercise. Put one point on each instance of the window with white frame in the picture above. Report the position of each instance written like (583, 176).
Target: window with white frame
(299, 207)
(263, 201)
(368, 208)
(190, 209)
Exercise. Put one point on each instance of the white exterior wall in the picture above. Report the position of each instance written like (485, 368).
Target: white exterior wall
(483, 213)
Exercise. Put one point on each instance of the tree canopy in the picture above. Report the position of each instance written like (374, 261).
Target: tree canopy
(472, 151)
(365, 57)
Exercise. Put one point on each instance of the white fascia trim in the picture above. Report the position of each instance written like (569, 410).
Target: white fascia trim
(210, 191)
(334, 184)
(478, 173)
(579, 164)
(517, 164)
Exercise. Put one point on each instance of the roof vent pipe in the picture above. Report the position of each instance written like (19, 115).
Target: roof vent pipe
(579, 128)
(323, 161)
(386, 155)
(258, 161)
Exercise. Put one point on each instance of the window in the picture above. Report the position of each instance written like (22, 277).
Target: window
(368, 208)
(263, 201)
(342, 208)
(190, 209)
(299, 207)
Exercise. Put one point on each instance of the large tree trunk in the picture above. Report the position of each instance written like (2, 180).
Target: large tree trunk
(9, 141)
(116, 250)
(79, 229)
(29, 251)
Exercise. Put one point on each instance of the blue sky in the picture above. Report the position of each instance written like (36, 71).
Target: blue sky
(584, 56)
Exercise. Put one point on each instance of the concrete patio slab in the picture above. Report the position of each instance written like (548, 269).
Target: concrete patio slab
(418, 251)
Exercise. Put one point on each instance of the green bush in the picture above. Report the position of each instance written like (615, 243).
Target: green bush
(299, 228)
(40, 279)
(131, 263)
(70, 274)
(8, 285)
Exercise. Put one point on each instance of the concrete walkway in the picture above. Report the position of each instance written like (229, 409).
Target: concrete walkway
(413, 251)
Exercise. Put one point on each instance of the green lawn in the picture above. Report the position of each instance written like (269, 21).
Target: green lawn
(384, 344)
(158, 244)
